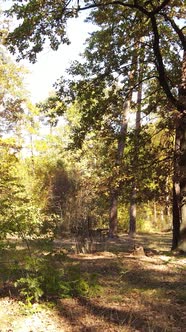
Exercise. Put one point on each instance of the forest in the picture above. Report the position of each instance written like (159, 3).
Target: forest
(93, 178)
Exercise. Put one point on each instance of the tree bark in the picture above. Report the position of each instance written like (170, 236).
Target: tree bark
(154, 213)
(179, 203)
(113, 224)
(113, 218)
(176, 191)
(176, 216)
(132, 220)
(182, 160)
(132, 223)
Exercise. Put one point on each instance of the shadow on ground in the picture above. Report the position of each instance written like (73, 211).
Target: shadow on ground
(145, 293)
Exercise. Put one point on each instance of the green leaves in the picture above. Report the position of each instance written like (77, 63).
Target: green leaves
(51, 282)
(40, 22)
(52, 109)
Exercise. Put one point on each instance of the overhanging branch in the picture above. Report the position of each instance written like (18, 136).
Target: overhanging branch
(179, 31)
(115, 3)
(160, 65)
(160, 7)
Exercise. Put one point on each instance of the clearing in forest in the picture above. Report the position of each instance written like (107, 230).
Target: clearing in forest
(135, 290)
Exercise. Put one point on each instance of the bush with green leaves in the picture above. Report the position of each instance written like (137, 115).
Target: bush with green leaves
(44, 278)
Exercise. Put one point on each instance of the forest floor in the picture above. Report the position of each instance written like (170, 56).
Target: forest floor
(138, 292)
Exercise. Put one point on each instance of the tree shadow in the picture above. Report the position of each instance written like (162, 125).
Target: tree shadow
(112, 316)
(158, 280)
(158, 291)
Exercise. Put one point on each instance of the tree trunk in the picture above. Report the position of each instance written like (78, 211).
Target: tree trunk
(113, 219)
(176, 216)
(113, 224)
(182, 130)
(179, 203)
(154, 213)
(162, 218)
(167, 206)
(132, 220)
(32, 154)
(132, 223)
(176, 191)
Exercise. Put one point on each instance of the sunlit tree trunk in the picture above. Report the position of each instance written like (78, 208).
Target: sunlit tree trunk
(132, 220)
(162, 218)
(167, 205)
(176, 193)
(113, 219)
(155, 213)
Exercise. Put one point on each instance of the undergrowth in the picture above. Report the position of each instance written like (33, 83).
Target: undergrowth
(47, 278)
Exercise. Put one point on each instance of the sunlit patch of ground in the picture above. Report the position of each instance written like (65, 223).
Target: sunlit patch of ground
(15, 318)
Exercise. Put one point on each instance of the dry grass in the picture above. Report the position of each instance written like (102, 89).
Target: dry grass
(139, 293)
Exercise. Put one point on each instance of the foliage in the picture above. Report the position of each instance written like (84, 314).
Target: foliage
(51, 109)
(134, 44)
(12, 93)
(17, 215)
(44, 279)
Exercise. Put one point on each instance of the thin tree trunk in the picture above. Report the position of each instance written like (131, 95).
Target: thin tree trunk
(176, 192)
(132, 223)
(162, 217)
(155, 213)
(167, 205)
(113, 214)
(32, 154)
(132, 220)
(113, 218)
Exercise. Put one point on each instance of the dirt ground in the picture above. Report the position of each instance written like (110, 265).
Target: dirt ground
(139, 292)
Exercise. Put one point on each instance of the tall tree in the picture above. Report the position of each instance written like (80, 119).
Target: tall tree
(46, 20)
(139, 74)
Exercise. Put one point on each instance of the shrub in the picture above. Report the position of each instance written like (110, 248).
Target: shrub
(44, 279)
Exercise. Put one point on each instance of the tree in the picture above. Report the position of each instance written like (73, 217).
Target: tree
(18, 213)
(46, 20)
(139, 74)
(12, 93)
(103, 85)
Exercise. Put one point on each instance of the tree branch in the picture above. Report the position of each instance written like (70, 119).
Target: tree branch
(127, 5)
(128, 92)
(179, 31)
(117, 2)
(160, 66)
(160, 7)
